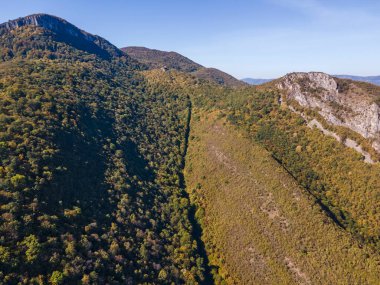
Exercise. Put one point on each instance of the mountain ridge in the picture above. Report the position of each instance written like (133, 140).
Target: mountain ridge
(370, 79)
(255, 81)
(65, 31)
(172, 60)
(154, 58)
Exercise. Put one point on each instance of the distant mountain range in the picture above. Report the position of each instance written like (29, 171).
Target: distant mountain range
(255, 81)
(155, 59)
(369, 79)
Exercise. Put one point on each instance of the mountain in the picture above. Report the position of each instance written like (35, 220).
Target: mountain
(65, 32)
(172, 60)
(341, 102)
(217, 76)
(159, 59)
(369, 79)
(91, 164)
(253, 81)
(116, 170)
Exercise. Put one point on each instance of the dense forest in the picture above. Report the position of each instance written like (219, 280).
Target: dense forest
(90, 174)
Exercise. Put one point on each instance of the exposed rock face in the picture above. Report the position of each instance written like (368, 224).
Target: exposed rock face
(65, 31)
(350, 107)
(52, 23)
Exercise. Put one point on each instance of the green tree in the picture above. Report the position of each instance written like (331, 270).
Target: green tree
(56, 278)
(33, 248)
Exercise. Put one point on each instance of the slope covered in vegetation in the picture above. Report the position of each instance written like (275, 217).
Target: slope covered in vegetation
(92, 189)
(347, 187)
(91, 157)
(259, 226)
(310, 209)
(155, 59)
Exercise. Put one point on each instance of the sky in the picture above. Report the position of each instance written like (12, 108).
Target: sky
(246, 38)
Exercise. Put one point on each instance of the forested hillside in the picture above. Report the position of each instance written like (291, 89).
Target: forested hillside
(90, 174)
(156, 59)
(263, 224)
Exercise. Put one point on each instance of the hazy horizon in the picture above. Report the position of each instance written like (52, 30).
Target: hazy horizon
(264, 39)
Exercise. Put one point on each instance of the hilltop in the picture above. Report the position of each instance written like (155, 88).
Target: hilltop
(161, 59)
(341, 102)
(64, 31)
(171, 60)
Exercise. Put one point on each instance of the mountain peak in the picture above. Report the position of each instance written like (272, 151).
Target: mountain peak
(300, 83)
(65, 32)
(46, 21)
(35, 19)
(319, 79)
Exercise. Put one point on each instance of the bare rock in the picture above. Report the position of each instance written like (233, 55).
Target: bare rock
(351, 108)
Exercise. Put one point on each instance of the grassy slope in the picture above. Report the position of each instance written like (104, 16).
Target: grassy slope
(259, 227)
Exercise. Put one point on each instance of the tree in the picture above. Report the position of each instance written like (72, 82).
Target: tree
(33, 248)
(162, 275)
(56, 278)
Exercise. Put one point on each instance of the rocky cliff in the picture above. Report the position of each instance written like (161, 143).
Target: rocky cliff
(341, 102)
(64, 31)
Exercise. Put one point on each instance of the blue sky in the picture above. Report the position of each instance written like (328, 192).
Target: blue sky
(246, 38)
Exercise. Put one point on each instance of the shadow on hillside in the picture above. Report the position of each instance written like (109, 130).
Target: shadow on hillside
(80, 166)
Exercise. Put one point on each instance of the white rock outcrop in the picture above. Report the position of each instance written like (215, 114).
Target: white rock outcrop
(65, 32)
(320, 91)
